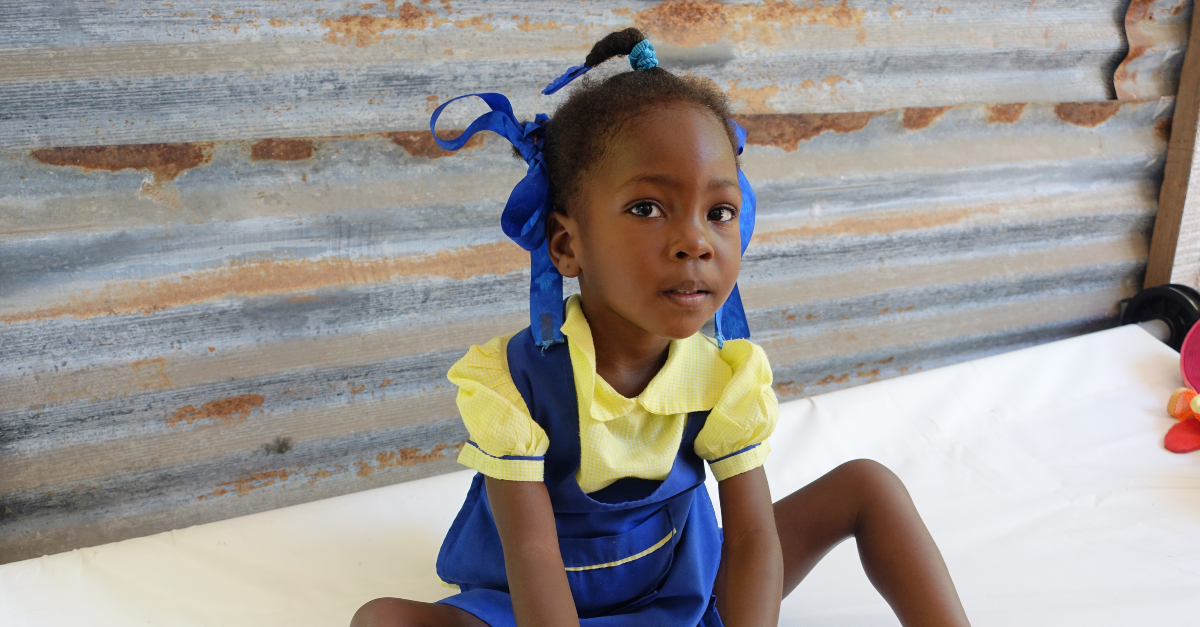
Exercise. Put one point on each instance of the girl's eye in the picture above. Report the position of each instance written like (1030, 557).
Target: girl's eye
(646, 209)
(721, 214)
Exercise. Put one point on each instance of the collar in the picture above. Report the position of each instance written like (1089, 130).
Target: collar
(692, 379)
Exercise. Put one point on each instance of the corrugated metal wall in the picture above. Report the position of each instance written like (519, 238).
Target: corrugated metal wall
(234, 269)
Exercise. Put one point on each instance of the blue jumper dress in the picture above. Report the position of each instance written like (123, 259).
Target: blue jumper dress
(639, 552)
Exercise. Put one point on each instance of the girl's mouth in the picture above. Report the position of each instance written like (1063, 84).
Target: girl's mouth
(689, 295)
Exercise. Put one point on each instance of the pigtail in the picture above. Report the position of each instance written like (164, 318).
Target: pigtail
(614, 45)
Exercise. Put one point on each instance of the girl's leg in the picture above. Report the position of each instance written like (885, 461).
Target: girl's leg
(387, 612)
(865, 500)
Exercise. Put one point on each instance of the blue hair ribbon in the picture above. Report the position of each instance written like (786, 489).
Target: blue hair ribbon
(530, 203)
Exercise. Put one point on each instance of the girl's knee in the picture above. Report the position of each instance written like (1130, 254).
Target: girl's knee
(870, 477)
(383, 612)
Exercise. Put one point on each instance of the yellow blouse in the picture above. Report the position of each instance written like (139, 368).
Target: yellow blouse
(622, 437)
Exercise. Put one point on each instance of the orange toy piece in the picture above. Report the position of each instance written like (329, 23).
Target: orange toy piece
(1184, 436)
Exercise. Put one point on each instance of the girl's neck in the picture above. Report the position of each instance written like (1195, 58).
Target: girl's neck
(627, 357)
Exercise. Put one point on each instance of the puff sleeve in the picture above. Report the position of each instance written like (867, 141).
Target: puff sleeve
(733, 439)
(505, 442)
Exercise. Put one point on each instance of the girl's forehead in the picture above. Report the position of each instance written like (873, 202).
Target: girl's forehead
(671, 138)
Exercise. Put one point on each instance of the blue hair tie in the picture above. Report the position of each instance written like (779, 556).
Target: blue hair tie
(642, 56)
(530, 203)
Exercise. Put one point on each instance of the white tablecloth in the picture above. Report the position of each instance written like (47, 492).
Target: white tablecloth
(1040, 472)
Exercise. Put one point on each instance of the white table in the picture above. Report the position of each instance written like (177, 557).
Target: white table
(1041, 474)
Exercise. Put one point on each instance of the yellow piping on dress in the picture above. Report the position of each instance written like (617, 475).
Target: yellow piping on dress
(657, 546)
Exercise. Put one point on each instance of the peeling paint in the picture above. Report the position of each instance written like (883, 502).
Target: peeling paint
(1090, 114)
(691, 23)
(282, 150)
(916, 118)
(786, 131)
(257, 278)
(1005, 113)
(226, 411)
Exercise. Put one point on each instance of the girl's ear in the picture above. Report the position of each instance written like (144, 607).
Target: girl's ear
(563, 233)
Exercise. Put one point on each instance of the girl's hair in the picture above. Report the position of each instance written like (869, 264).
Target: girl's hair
(582, 127)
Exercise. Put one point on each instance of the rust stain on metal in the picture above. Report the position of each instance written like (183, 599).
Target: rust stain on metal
(787, 130)
(303, 299)
(404, 457)
(215, 493)
(1006, 113)
(1162, 129)
(385, 383)
(476, 23)
(867, 373)
(529, 27)
(151, 373)
(245, 485)
(880, 225)
(364, 30)
(356, 390)
(421, 144)
(166, 161)
(788, 388)
(830, 380)
(1140, 42)
(833, 79)
(257, 278)
(916, 118)
(282, 150)
(226, 411)
(755, 98)
(1088, 114)
(686, 23)
(690, 23)
(313, 477)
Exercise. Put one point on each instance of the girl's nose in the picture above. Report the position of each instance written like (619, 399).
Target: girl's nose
(692, 241)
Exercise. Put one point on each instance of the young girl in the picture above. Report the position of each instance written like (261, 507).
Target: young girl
(590, 428)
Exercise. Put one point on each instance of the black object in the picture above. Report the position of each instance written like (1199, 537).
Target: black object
(1178, 306)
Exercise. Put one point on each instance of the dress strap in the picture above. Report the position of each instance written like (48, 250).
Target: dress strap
(546, 381)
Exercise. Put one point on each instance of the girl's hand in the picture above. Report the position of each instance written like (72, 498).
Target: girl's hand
(537, 581)
(749, 585)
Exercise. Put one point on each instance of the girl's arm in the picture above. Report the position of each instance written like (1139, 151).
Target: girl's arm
(537, 581)
(751, 557)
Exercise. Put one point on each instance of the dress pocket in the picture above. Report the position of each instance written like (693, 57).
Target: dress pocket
(618, 571)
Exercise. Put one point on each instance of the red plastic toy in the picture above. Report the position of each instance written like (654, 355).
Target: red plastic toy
(1184, 436)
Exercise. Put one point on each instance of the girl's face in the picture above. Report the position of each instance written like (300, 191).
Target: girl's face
(654, 235)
